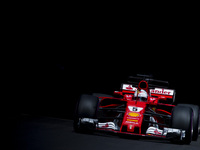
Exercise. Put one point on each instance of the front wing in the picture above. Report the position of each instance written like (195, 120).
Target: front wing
(168, 133)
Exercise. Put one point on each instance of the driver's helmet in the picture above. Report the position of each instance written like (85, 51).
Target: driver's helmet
(141, 95)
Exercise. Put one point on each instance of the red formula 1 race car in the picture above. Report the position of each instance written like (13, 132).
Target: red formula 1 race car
(142, 108)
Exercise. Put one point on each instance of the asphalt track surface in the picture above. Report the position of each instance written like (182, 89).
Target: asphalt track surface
(47, 133)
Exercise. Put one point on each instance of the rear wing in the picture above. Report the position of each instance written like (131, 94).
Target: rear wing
(152, 83)
(153, 92)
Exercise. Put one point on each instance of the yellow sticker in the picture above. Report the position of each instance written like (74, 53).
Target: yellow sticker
(133, 114)
(132, 120)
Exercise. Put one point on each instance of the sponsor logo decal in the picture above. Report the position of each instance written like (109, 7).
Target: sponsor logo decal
(154, 130)
(133, 114)
(129, 87)
(162, 91)
(135, 109)
(157, 132)
(132, 120)
(107, 125)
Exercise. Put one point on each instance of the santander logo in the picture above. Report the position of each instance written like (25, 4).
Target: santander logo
(162, 91)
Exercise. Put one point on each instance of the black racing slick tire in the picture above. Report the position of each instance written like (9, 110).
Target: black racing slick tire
(87, 107)
(182, 118)
(196, 120)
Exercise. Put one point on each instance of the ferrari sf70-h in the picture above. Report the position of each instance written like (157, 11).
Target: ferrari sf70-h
(142, 107)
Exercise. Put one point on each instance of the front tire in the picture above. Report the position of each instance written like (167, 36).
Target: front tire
(182, 118)
(196, 124)
(87, 107)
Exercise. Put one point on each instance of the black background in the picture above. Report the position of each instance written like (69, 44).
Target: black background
(55, 55)
(52, 87)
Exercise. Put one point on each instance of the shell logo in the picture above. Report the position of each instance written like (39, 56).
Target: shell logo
(133, 114)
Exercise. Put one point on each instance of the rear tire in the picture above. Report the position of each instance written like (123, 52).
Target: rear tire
(87, 107)
(182, 118)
